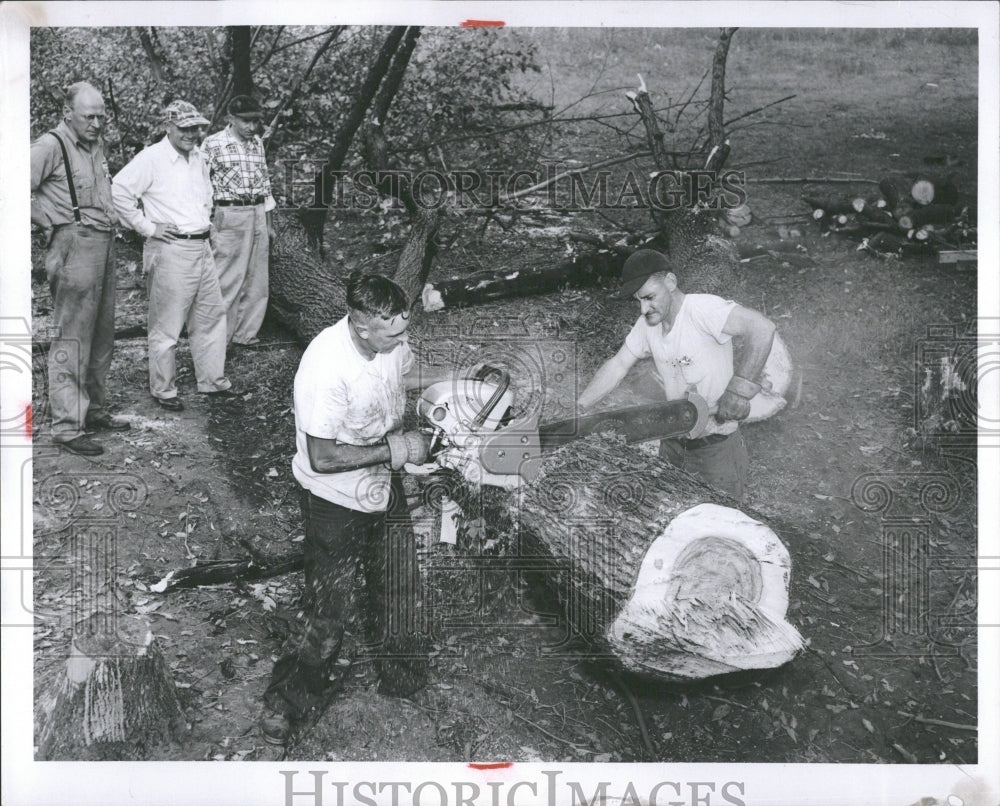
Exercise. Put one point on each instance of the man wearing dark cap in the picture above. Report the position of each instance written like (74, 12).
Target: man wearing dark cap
(242, 218)
(689, 337)
(170, 179)
(73, 208)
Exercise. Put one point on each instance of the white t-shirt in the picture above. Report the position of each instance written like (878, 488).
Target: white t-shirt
(694, 352)
(339, 394)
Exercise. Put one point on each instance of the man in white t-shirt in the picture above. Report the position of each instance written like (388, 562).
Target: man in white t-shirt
(689, 337)
(349, 396)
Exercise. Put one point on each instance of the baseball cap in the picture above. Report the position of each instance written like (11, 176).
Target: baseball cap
(638, 268)
(183, 114)
(245, 107)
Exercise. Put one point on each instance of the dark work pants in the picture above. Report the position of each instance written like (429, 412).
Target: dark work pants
(337, 538)
(723, 465)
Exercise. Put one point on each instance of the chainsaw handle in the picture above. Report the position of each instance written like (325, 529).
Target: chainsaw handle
(481, 375)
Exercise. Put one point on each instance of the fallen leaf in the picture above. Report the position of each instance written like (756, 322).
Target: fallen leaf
(721, 712)
(868, 725)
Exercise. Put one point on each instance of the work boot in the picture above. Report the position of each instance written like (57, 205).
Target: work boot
(105, 422)
(82, 445)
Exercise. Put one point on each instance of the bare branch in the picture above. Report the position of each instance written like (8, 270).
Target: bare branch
(293, 93)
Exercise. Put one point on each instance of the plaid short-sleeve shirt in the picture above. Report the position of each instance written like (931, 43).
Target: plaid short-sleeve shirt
(238, 169)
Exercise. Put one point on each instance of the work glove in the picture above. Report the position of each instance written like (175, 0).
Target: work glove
(735, 401)
(409, 447)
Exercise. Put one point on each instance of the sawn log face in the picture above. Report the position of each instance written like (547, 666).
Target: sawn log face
(662, 573)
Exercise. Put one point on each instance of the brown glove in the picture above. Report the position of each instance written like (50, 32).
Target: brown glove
(411, 446)
(735, 401)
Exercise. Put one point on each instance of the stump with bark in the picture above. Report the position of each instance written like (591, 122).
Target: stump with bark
(660, 573)
(112, 700)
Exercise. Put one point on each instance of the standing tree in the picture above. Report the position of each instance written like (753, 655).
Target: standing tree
(239, 43)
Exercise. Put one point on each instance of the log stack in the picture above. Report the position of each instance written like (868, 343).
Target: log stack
(915, 214)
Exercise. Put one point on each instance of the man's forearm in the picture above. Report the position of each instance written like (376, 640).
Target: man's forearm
(756, 349)
(129, 212)
(341, 457)
(607, 377)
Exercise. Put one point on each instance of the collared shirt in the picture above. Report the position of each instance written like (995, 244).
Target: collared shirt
(238, 167)
(51, 204)
(173, 190)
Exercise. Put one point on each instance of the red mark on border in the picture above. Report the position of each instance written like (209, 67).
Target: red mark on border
(27, 421)
(482, 24)
(493, 765)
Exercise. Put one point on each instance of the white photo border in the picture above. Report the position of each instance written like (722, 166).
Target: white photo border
(26, 781)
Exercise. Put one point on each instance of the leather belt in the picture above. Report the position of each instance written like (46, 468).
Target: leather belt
(702, 442)
(245, 202)
(193, 236)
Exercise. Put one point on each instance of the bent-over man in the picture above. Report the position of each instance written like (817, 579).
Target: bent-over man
(242, 218)
(349, 397)
(689, 337)
(170, 179)
(71, 203)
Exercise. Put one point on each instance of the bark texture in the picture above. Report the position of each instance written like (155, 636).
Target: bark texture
(662, 575)
(112, 700)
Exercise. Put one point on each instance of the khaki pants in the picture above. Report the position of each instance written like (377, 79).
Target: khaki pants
(80, 265)
(184, 290)
(240, 243)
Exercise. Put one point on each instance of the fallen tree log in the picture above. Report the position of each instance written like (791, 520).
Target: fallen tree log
(112, 700)
(306, 294)
(523, 280)
(658, 573)
(219, 572)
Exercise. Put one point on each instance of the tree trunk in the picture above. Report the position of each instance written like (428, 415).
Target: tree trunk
(113, 699)
(156, 61)
(305, 293)
(716, 104)
(325, 178)
(657, 571)
(705, 262)
(521, 280)
(239, 41)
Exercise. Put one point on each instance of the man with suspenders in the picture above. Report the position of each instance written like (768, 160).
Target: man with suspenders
(71, 203)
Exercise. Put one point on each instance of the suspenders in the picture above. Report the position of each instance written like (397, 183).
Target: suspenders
(69, 178)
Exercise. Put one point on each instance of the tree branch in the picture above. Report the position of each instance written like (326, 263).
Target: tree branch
(716, 129)
(293, 93)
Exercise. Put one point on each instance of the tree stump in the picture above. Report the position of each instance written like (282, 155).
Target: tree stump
(662, 574)
(113, 699)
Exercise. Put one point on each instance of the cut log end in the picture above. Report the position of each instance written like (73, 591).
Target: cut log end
(710, 598)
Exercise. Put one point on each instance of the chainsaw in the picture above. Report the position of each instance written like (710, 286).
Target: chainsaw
(472, 419)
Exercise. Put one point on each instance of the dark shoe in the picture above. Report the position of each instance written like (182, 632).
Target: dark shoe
(275, 728)
(105, 422)
(169, 403)
(224, 394)
(82, 445)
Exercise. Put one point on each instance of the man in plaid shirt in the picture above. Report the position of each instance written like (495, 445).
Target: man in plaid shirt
(242, 218)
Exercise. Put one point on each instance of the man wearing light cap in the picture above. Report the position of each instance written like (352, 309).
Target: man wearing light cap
(170, 179)
(689, 337)
(242, 218)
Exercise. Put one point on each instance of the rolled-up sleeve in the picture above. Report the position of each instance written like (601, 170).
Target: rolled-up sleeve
(129, 184)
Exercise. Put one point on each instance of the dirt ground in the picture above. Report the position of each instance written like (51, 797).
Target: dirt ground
(214, 482)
